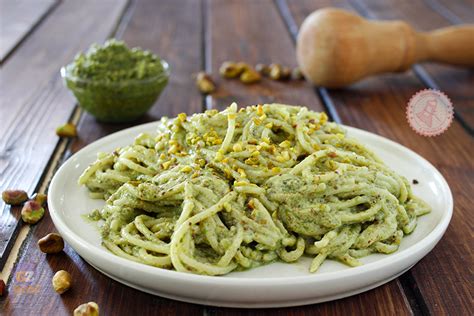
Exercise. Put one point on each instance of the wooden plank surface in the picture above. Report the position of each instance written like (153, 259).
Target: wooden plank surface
(236, 35)
(456, 82)
(34, 100)
(456, 11)
(17, 19)
(172, 29)
(380, 301)
(270, 42)
(378, 105)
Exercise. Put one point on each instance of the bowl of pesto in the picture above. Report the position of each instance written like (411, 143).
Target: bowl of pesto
(115, 83)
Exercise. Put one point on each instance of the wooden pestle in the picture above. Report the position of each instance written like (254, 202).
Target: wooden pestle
(336, 48)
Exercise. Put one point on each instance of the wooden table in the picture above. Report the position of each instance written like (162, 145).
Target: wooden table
(39, 36)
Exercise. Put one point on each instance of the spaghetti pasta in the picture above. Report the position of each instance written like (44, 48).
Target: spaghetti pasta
(232, 190)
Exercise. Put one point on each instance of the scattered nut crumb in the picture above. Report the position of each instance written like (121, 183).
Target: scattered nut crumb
(248, 74)
(263, 69)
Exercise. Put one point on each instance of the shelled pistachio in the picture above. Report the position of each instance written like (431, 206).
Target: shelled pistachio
(14, 197)
(67, 130)
(249, 76)
(230, 69)
(32, 212)
(40, 198)
(62, 281)
(205, 83)
(51, 243)
(296, 74)
(87, 309)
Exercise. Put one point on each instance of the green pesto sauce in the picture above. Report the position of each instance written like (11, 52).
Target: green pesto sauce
(115, 83)
(115, 62)
(93, 216)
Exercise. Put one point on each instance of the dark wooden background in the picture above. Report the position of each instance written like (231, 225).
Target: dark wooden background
(39, 36)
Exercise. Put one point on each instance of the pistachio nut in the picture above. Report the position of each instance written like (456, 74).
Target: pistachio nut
(14, 197)
(3, 288)
(62, 281)
(32, 212)
(296, 74)
(231, 69)
(87, 309)
(279, 72)
(285, 73)
(263, 69)
(250, 76)
(51, 243)
(275, 71)
(205, 83)
(40, 198)
(241, 66)
(66, 130)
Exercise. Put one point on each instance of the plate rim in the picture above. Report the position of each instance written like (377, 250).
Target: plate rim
(260, 304)
(430, 240)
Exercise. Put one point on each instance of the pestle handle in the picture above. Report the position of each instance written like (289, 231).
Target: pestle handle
(451, 45)
(336, 47)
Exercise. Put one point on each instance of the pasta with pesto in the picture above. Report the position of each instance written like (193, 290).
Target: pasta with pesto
(225, 191)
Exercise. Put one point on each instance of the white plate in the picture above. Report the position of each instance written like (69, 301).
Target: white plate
(274, 285)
